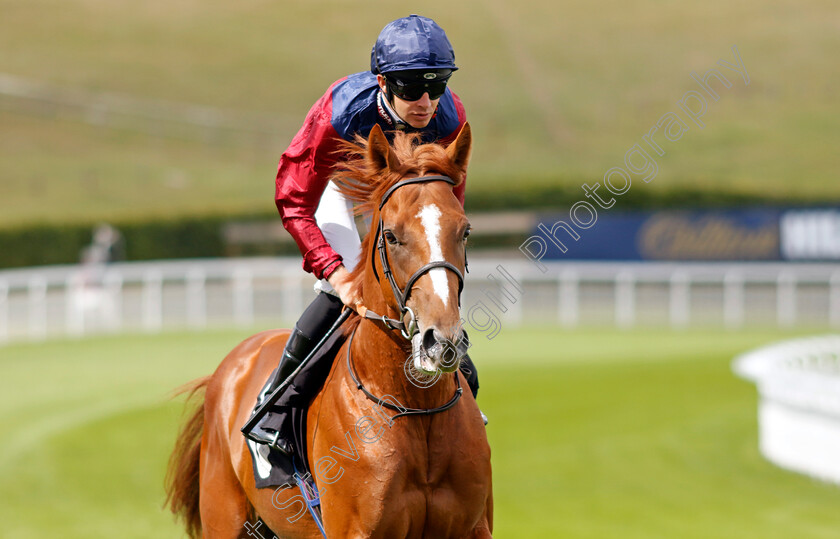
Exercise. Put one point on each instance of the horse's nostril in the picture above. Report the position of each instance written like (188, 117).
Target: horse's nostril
(429, 338)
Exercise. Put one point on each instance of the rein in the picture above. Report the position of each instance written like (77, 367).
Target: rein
(408, 330)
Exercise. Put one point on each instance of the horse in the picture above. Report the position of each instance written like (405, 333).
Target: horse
(379, 474)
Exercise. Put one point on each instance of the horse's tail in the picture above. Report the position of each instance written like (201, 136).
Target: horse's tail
(182, 486)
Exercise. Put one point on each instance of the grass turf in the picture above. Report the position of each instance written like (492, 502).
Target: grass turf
(595, 434)
(556, 94)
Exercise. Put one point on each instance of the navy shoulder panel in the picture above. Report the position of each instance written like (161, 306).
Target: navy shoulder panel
(354, 110)
(354, 104)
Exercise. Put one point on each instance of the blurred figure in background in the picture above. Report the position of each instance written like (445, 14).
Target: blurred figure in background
(92, 303)
(107, 246)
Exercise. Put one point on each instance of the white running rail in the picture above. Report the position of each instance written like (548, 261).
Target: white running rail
(41, 302)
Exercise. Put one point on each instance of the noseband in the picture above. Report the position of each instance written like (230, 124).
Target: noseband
(410, 328)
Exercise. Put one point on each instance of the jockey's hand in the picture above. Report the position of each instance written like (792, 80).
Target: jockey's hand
(342, 283)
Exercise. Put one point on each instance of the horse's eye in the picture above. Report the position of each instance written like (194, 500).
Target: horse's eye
(390, 238)
(467, 233)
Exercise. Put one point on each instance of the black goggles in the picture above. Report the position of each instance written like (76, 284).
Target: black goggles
(413, 89)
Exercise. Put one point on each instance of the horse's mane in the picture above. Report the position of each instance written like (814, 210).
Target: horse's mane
(362, 181)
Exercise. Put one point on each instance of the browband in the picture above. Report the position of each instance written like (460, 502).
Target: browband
(421, 179)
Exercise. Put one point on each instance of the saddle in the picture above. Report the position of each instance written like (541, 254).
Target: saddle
(271, 467)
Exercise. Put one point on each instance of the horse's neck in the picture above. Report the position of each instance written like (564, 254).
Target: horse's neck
(380, 365)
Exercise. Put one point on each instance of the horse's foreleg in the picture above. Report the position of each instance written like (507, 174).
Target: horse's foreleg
(482, 531)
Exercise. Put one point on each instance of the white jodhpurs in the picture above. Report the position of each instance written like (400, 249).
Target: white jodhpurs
(335, 219)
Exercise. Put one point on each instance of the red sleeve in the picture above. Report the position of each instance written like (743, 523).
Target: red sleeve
(302, 176)
(449, 139)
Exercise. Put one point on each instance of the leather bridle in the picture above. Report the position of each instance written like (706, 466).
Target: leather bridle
(407, 329)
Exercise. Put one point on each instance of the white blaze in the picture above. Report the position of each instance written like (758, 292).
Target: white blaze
(430, 219)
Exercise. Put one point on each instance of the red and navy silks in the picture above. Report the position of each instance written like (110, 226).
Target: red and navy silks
(348, 107)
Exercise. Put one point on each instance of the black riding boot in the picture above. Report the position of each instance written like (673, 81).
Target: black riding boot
(313, 324)
(471, 374)
(468, 370)
(297, 348)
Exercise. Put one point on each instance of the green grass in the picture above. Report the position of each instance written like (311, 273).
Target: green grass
(595, 434)
(556, 94)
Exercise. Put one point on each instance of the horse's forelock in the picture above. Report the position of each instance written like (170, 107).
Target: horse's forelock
(358, 181)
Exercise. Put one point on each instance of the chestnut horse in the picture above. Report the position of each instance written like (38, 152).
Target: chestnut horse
(422, 475)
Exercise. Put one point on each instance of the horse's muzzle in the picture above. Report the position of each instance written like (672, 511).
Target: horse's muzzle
(442, 353)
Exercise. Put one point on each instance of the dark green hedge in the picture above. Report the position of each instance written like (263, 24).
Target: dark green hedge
(42, 244)
(62, 244)
(560, 197)
(202, 236)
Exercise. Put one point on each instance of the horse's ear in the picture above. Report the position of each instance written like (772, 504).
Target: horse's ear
(459, 151)
(380, 154)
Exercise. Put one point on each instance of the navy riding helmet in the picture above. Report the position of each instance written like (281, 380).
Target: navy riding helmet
(410, 43)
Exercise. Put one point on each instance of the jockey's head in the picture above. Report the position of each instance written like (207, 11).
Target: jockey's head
(413, 60)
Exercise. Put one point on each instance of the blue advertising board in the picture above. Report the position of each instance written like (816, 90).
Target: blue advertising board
(747, 234)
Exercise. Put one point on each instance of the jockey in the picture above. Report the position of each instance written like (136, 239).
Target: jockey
(405, 90)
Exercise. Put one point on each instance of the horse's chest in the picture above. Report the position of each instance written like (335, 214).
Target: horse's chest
(442, 484)
(411, 477)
